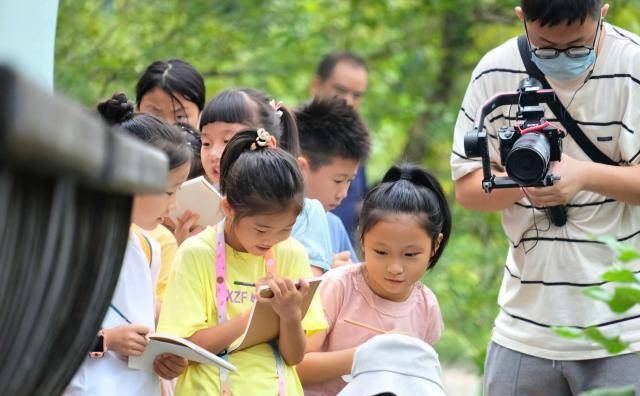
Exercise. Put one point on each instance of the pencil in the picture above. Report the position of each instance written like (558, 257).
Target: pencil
(364, 326)
(119, 313)
(238, 283)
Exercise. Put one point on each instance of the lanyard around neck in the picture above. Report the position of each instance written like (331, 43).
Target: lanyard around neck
(221, 304)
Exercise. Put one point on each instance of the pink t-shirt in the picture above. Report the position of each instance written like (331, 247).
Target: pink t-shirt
(345, 295)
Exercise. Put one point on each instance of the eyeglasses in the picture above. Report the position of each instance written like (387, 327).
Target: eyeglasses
(572, 52)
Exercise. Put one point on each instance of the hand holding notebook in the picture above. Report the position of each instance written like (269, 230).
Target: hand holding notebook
(264, 322)
(165, 343)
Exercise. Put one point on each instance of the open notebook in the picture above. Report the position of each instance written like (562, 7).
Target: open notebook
(200, 197)
(264, 323)
(166, 343)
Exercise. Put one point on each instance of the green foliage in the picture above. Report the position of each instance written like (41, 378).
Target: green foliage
(623, 391)
(420, 55)
(624, 296)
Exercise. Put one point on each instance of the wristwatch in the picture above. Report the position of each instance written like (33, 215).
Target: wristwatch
(100, 345)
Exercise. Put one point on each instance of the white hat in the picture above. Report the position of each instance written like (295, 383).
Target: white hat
(394, 363)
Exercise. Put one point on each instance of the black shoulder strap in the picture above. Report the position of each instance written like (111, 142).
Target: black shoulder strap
(558, 109)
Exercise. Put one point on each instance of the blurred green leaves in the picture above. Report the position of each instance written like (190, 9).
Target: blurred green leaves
(620, 291)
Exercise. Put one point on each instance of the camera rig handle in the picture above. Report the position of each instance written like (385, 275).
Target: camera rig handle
(526, 97)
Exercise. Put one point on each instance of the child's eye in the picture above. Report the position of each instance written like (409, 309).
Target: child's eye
(380, 252)
(226, 141)
(205, 144)
(414, 254)
(260, 231)
(339, 181)
(170, 193)
(182, 118)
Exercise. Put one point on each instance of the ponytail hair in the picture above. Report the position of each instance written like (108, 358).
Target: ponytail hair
(118, 110)
(259, 180)
(256, 110)
(409, 189)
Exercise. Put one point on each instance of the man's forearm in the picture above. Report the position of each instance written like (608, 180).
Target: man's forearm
(470, 194)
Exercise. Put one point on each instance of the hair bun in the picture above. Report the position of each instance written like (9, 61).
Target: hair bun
(413, 174)
(116, 109)
(394, 174)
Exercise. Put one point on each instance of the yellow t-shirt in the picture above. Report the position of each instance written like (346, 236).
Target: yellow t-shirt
(190, 305)
(168, 248)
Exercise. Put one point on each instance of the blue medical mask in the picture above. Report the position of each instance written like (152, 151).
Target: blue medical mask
(563, 67)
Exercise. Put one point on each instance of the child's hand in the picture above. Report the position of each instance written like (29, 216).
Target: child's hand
(341, 259)
(169, 366)
(127, 340)
(286, 298)
(187, 226)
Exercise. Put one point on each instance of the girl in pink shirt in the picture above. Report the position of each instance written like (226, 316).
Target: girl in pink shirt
(405, 224)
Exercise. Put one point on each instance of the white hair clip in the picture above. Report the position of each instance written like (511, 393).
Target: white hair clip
(264, 138)
(276, 107)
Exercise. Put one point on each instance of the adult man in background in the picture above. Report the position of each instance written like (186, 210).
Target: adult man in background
(344, 75)
(594, 69)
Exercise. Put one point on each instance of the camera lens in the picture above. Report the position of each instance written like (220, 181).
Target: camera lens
(528, 160)
(472, 144)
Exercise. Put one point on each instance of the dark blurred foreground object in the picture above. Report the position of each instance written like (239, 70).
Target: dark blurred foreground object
(66, 186)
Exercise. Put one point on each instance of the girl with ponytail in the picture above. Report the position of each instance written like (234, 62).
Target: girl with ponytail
(233, 111)
(405, 224)
(209, 294)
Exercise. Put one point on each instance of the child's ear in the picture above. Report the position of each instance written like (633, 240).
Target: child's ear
(304, 165)
(314, 86)
(226, 208)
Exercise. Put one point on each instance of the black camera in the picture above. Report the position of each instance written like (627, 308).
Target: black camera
(526, 148)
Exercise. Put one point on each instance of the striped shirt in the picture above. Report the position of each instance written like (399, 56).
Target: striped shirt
(548, 267)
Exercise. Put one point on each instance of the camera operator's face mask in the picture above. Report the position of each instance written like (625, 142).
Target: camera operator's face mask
(566, 64)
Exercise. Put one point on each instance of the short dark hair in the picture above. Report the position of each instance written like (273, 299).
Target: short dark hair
(555, 12)
(259, 180)
(118, 110)
(409, 189)
(329, 62)
(253, 108)
(330, 128)
(173, 76)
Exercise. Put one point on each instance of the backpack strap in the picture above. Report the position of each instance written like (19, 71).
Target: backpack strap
(560, 111)
(145, 243)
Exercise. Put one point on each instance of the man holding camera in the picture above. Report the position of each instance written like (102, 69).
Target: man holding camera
(594, 69)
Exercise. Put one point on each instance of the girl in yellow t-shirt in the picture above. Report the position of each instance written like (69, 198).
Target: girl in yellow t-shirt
(206, 300)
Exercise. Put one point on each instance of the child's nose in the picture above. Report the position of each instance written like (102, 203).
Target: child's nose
(395, 267)
(342, 193)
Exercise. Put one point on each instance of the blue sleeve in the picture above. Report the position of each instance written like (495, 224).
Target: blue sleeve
(340, 240)
(312, 231)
